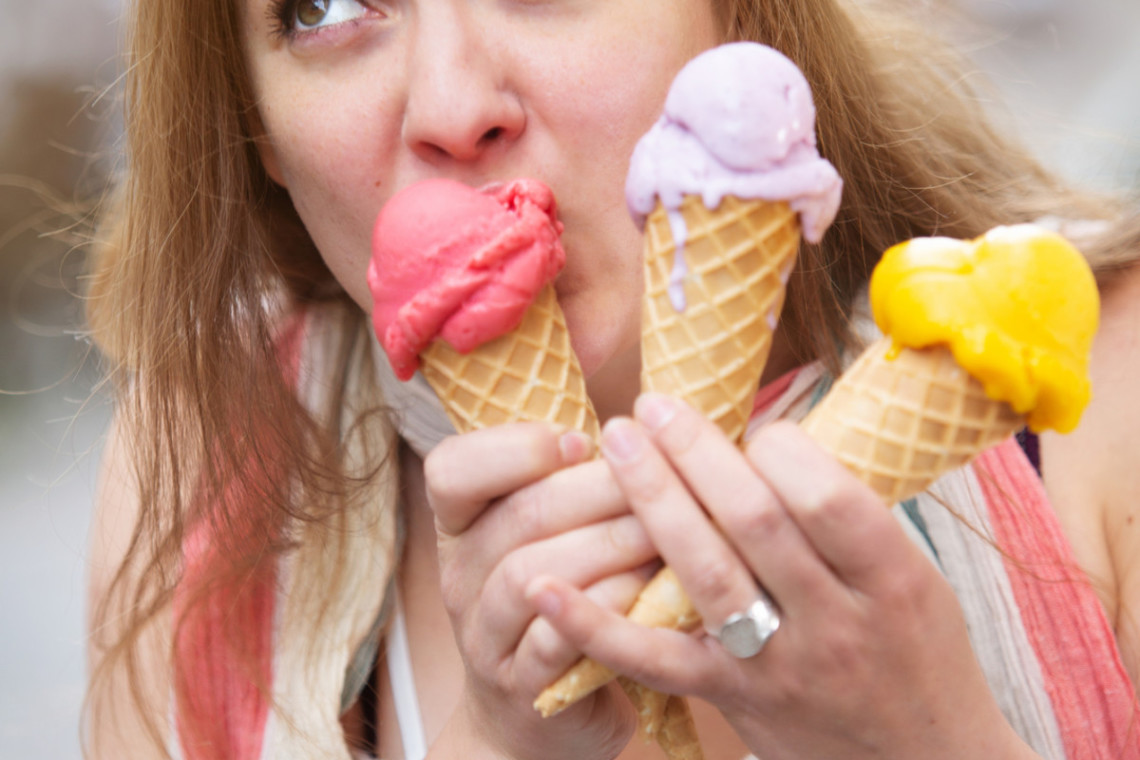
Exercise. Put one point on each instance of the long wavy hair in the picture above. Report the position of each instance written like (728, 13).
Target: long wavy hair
(202, 258)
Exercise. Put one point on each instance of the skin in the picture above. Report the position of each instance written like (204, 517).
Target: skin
(524, 542)
(1091, 474)
(479, 92)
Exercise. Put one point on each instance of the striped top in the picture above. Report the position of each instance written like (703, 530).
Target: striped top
(1036, 624)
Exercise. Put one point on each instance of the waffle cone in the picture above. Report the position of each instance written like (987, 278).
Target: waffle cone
(678, 735)
(713, 352)
(531, 373)
(667, 719)
(900, 421)
(661, 604)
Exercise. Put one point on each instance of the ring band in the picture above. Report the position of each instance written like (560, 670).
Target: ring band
(744, 634)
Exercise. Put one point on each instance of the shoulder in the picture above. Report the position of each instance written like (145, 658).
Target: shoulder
(119, 728)
(116, 512)
(1093, 474)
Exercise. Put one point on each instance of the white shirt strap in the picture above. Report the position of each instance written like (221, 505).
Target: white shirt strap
(403, 683)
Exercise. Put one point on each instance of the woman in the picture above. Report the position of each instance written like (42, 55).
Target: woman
(261, 525)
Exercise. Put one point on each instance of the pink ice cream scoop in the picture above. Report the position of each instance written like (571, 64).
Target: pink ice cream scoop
(458, 264)
(738, 120)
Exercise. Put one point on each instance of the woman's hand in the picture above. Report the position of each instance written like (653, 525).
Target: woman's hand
(871, 658)
(513, 503)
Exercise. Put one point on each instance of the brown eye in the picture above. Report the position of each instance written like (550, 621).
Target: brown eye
(312, 12)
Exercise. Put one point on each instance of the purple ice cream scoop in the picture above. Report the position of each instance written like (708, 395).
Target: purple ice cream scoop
(738, 120)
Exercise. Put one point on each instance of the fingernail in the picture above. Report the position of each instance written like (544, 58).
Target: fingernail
(654, 410)
(620, 440)
(575, 446)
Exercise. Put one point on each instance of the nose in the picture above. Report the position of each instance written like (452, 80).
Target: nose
(460, 105)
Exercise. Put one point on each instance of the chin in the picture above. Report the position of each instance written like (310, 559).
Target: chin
(600, 334)
(600, 293)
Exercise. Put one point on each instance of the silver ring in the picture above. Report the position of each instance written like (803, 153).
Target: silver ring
(744, 634)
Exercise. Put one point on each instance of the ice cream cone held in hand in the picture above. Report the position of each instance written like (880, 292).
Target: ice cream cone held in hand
(725, 184)
(981, 338)
(461, 286)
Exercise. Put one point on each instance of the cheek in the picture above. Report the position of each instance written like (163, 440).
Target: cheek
(611, 81)
(625, 72)
(326, 143)
(332, 195)
(612, 86)
(330, 163)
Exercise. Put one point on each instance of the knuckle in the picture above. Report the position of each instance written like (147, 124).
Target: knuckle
(500, 674)
(829, 501)
(754, 519)
(515, 573)
(711, 579)
(529, 513)
(440, 481)
(547, 647)
(842, 652)
(786, 684)
(903, 590)
(624, 537)
(645, 484)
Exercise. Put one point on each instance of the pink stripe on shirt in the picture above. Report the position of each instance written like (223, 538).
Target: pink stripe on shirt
(223, 647)
(1093, 698)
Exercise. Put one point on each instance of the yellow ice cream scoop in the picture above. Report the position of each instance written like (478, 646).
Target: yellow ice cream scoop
(1017, 307)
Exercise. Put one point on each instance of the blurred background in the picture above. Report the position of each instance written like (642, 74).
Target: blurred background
(1069, 71)
(55, 142)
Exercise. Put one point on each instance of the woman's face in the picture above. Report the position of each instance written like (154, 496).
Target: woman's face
(360, 98)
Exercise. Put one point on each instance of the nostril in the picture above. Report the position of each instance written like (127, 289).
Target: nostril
(491, 135)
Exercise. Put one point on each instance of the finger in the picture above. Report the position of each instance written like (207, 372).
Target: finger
(568, 499)
(665, 660)
(844, 520)
(710, 571)
(748, 513)
(581, 557)
(463, 473)
(543, 654)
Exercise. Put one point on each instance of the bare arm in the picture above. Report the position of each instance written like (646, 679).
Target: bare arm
(116, 729)
(1093, 474)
